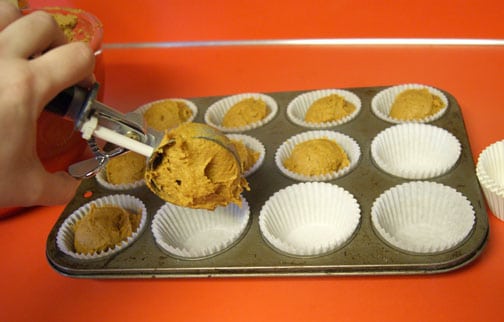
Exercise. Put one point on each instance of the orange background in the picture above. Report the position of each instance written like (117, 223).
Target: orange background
(32, 291)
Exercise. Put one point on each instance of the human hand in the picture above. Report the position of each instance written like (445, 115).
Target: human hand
(36, 64)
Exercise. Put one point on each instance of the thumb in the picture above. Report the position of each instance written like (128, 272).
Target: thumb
(54, 188)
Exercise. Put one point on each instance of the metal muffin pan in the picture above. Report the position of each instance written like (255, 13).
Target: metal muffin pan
(364, 254)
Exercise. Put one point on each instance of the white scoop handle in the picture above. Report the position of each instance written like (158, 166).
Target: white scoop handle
(91, 128)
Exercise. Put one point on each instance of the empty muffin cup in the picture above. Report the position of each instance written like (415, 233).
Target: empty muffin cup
(299, 106)
(381, 104)
(198, 233)
(66, 233)
(422, 217)
(309, 219)
(490, 173)
(216, 112)
(348, 144)
(253, 144)
(415, 151)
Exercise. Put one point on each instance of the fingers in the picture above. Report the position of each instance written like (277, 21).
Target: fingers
(59, 188)
(9, 14)
(33, 34)
(36, 187)
(51, 188)
(52, 67)
(60, 68)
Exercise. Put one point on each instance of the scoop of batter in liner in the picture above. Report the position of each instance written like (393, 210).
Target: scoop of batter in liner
(329, 108)
(415, 104)
(317, 157)
(103, 228)
(167, 114)
(244, 112)
(248, 157)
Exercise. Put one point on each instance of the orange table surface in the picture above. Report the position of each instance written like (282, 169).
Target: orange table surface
(31, 290)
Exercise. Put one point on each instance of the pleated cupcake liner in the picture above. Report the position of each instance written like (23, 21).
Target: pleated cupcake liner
(415, 151)
(191, 105)
(197, 233)
(381, 104)
(253, 144)
(65, 235)
(297, 108)
(216, 112)
(423, 217)
(490, 173)
(309, 219)
(349, 145)
(101, 177)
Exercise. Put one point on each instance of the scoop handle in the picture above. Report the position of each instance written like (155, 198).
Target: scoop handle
(123, 141)
(69, 103)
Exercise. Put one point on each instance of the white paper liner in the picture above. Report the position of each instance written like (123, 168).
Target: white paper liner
(65, 236)
(191, 105)
(215, 112)
(488, 182)
(349, 145)
(381, 103)
(196, 233)
(415, 151)
(309, 218)
(297, 108)
(254, 144)
(422, 217)
(101, 177)
(495, 202)
(490, 173)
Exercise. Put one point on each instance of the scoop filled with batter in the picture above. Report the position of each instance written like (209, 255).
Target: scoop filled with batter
(196, 166)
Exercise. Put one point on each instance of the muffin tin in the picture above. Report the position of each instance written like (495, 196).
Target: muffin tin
(365, 253)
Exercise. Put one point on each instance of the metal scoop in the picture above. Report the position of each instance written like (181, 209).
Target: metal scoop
(195, 131)
(126, 132)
